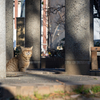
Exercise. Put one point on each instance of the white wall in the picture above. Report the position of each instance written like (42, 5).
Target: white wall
(96, 26)
(96, 29)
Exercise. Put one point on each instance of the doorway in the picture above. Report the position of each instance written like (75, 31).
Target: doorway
(53, 34)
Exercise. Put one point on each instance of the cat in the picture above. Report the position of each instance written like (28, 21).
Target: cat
(20, 63)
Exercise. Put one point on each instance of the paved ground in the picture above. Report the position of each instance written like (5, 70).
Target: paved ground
(44, 82)
(48, 77)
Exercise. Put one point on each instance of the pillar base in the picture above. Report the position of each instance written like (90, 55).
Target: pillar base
(2, 74)
(34, 65)
(77, 67)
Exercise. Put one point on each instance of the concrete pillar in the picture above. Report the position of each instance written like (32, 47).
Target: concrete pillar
(77, 33)
(9, 29)
(2, 38)
(32, 30)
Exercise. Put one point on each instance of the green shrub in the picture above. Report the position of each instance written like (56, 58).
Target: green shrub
(39, 96)
(96, 89)
(81, 90)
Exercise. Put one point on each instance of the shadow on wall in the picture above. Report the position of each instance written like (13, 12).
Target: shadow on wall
(5, 94)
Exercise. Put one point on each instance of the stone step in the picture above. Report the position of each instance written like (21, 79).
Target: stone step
(27, 90)
(33, 72)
